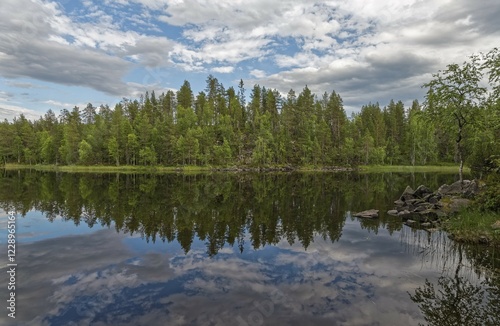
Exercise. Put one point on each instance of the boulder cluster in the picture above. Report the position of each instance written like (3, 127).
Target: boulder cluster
(429, 207)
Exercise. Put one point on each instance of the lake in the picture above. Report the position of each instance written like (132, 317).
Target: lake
(234, 249)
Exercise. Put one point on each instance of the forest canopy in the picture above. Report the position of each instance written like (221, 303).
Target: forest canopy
(218, 127)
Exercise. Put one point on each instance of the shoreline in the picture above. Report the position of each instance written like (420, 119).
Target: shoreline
(170, 169)
(466, 226)
(472, 226)
(451, 208)
(202, 169)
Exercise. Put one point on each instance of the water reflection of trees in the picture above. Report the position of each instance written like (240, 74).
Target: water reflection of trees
(217, 208)
(468, 290)
(457, 301)
(439, 252)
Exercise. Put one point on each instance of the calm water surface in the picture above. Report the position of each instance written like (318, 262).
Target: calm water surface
(234, 249)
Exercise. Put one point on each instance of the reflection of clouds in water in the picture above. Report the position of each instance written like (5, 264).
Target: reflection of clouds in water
(4, 221)
(95, 279)
(313, 286)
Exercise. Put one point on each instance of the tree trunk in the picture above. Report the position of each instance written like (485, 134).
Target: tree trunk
(460, 156)
(461, 170)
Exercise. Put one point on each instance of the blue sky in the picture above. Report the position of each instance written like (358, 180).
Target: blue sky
(58, 54)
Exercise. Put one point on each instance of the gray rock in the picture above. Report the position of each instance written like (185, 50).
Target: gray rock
(440, 213)
(393, 212)
(421, 208)
(410, 222)
(427, 212)
(453, 189)
(371, 213)
(456, 204)
(402, 208)
(399, 202)
(405, 214)
(414, 202)
(422, 191)
(471, 190)
(409, 193)
(431, 214)
(484, 240)
(467, 188)
(426, 225)
(434, 199)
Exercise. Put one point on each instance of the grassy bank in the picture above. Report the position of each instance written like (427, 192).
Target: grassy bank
(473, 226)
(107, 168)
(167, 169)
(172, 169)
(410, 168)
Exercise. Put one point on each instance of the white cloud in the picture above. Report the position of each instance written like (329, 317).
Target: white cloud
(366, 51)
(9, 112)
(63, 104)
(223, 69)
(257, 73)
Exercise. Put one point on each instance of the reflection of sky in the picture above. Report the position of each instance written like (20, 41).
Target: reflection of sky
(34, 227)
(101, 277)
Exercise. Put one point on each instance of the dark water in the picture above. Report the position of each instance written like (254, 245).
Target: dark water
(234, 249)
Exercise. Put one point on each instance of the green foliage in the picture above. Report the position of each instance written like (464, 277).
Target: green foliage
(458, 123)
(85, 152)
(456, 301)
(147, 156)
(114, 150)
(489, 197)
(453, 99)
(473, 225)
(222, 153)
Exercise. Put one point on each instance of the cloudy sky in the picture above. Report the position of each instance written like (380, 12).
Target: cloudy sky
(58, 54)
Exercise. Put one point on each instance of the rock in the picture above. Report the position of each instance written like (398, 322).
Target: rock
(437, 205)
(420, 209)
(430, 214)
(426, 225)
(402, 208)
(454, 204)
(496, 225)
(453, 189)
(407, 194)
(393, 212)
(440, 213)
(371, 213)
(410, 222)
(399, 202)
(434, 199)
(422, 191)
(414, 202)
(467, 188)
(471, 190)
(484, 240)
(405, 214)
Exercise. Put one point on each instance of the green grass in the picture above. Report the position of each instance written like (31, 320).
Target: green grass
(410, 168)
(196, 169)
(108, 168)
(153, 169)
(473, 226)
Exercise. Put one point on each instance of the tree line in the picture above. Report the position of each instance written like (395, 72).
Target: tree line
(218, 127)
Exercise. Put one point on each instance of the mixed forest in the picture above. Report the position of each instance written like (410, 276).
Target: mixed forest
(459, 121)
